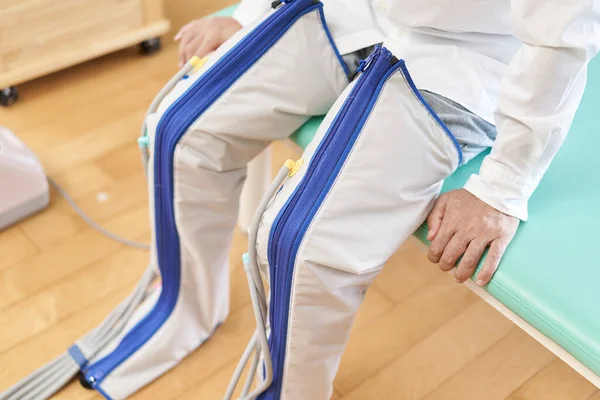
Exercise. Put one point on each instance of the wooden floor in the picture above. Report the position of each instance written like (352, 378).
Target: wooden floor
(418, 336)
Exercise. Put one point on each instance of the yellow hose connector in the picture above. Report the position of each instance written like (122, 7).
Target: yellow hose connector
(293, 166)
(198, 62)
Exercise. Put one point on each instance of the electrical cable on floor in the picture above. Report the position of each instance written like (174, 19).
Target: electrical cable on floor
(194, 63)
(92, 223)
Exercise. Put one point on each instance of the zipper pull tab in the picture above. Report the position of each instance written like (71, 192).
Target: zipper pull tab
(375, 53)
(361, 67)
(364, 64)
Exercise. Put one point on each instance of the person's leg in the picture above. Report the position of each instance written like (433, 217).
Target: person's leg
(473, 133)
(369, 180)
(259, 169)
(260, 86)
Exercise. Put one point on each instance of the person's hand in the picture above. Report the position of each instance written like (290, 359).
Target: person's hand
(202, 36)
(460, 224)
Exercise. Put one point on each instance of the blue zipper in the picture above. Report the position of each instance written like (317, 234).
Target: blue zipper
(296, 216)
(172, 126)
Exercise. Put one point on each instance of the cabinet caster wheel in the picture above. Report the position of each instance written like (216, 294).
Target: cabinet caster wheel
(150, 46)
(8, 96)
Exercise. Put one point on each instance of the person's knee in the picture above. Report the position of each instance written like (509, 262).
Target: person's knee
(198, 150)
(200, 147)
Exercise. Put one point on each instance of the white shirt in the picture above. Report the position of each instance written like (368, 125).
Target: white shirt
(519, 64)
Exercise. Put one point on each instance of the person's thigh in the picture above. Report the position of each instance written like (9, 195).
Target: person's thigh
(472, 132)
(369, 180)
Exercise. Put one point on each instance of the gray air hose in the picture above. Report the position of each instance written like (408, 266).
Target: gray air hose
(258, 345)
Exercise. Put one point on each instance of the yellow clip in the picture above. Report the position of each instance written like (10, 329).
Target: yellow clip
(293, 166)
(198, 62)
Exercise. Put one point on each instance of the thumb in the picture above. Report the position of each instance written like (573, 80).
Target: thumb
(434, 220)
(183, 29)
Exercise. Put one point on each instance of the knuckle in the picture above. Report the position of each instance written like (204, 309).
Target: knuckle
(434, 252)
(447, 259)
(469, 263)
(446, 263)
(463, 238)
(467, 226)
(494, 254)
(450, 224)
(480, 243)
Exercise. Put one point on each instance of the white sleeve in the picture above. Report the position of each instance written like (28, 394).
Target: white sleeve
(250, 10)
(539, 96)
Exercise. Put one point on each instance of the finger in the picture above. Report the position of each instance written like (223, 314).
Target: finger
(187, 46)
(455, 248)
(497, 249)
(181, 55)
(183, 29)
(207, 46)
(190, 50)
(181, 51)
(188, 38)
(470, 260)
(437, 246)
(179, 34)
(434, 220)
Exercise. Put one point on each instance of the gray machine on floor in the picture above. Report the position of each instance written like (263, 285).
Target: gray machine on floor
(23, 184)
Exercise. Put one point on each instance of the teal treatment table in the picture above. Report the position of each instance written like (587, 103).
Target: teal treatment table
(548, 282)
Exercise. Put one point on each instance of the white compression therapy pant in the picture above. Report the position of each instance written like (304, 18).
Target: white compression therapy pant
(368, 181)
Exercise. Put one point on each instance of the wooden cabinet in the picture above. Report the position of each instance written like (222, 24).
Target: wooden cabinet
(41, 36)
